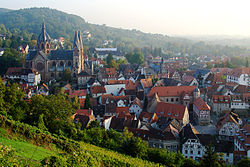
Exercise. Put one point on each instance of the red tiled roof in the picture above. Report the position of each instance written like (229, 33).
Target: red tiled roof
(221, 70)
(136, 101)
(78, 93)
(201, 105)
(114, 98)
(86, 112)
(221, 99)
(14, 71)
(81, 102)
(188, 78)
(97, 89)
(226, 118)
(148, 116)
(83, 112)
(130, 85)
(147, 83)
(238, 71)
(110, 71)
(122, 111)
(170, 110)
(244, 133)
(167, 91)
(143, 134)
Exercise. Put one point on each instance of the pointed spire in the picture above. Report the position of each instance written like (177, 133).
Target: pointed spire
(76, 42)
(80, 39)
(43, 37)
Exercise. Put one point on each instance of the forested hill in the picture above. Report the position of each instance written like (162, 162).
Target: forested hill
(62, 24)
(59, 24)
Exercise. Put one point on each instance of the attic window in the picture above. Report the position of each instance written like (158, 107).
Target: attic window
(176, 115)
(169, 113)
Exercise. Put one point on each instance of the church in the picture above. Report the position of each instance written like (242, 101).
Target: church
(51, 63)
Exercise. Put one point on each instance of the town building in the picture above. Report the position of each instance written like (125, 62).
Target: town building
(51, 63)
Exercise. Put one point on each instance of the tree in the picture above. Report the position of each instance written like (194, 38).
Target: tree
(40, 123)
(136, 57)
(135, 147)
(2, 93)
(211, 158)
(109, 59)
(188, 162)
(87, 103)
(243, 162)
(14, 103)
(66, 75)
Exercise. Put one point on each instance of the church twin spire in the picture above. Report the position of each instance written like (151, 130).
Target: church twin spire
(77, 43)
(43, 41)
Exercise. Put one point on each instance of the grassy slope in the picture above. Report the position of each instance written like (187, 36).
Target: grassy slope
(23, 148)
(28, 151)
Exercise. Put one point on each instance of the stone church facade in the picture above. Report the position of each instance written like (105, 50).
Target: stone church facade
(51, 63)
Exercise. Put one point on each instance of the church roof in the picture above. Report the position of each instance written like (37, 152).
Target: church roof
(53, 55)
(61, 55)
(31, 55)
(44, 36)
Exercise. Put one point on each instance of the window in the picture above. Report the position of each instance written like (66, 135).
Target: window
(172, 99)
(186, 151)
(199, 152)
(191, 152)
(177, 99)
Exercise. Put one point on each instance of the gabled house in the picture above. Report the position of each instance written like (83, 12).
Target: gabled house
(147, 118)
(201, 111)
(97, 91)
(239, 76)
(175, 94)
(189, 81)
(119, 123)
(136, 107)
(84, 117)
(106, 74)
(229, 124)
(116, 89)
(242, 143)
(82, 79)
(174, 111)
(168, 140)
(146, 85)
(220, 103)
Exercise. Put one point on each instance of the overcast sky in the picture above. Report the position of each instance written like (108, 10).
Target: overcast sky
(170, 17)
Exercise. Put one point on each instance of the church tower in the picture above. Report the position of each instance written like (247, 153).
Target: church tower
(77, 54)
(44, 40)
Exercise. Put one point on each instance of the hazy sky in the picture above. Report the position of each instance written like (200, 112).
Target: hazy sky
(171, 17)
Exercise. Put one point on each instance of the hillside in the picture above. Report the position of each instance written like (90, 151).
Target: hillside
(33, 147)
(62, 24)
(59, 24)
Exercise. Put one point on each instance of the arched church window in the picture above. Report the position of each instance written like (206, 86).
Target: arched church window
(54, 64)
(40, 66)
(69, 63)
(61, 64)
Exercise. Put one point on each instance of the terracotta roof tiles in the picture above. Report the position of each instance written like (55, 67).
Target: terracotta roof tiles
(201, 105)
(176, 111)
